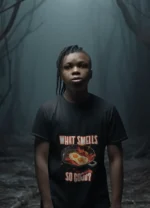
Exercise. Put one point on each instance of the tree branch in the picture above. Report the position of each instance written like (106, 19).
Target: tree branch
(10, 7)
(138, 10)
(11, 21)
(141, 35)
(9, 68)
(8, 51)
(18, 24)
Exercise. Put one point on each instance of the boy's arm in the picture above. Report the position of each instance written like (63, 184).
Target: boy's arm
(41, 169)
(115, 155)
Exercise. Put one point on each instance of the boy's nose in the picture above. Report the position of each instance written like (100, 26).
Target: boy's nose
(75, 70)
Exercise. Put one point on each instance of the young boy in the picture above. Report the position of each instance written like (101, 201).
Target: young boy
(71, 134)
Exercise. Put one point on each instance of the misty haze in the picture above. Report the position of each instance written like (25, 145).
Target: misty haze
(116, 34)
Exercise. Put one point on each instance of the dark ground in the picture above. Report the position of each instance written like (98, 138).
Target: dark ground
(18, 185)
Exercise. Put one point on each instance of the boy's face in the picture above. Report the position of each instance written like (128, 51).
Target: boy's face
(75, 71)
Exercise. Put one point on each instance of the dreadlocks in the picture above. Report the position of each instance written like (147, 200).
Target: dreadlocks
(60, 88)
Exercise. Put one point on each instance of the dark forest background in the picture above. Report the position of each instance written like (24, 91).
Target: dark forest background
(116, 33)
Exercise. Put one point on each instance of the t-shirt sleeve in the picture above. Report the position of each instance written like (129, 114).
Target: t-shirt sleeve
(116, 130)
(41, 125)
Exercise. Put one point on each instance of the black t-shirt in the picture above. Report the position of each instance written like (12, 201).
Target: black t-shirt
(78, 135)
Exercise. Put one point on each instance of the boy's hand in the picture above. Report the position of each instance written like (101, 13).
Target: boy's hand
(48, 206)
(116, 206)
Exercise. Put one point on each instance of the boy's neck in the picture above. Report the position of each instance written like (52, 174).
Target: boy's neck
(76, 96)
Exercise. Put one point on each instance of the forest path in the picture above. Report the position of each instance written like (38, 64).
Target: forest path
(18, 185)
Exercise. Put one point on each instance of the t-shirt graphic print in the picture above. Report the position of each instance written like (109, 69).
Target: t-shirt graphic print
(79, 155)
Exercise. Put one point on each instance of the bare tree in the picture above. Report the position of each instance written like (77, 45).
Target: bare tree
(5, 55)
(143, 36)
(5, 35)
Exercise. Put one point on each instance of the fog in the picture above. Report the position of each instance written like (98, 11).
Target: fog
(116, 33)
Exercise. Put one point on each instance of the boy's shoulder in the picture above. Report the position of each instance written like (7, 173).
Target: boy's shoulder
(49, 104)
(101, 102)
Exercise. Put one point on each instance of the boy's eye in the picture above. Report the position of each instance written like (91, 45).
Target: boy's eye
(83, 65)
(79, 65)
(67, 66)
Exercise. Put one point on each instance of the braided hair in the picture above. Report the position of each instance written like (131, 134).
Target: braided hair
(60, 88)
